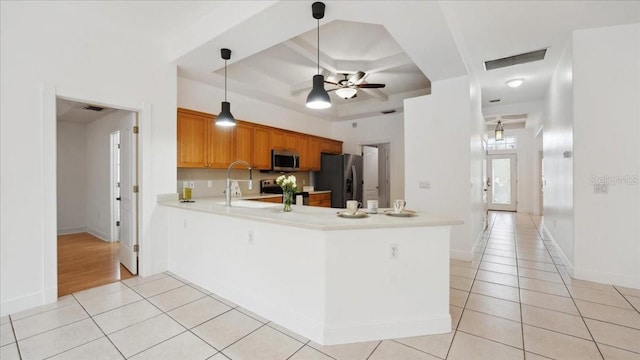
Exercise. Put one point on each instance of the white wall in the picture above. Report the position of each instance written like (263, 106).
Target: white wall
(99, 171)
(606, 73)
(198, 96)
(377, 130)
(558, 170)
(441, 133)
(477, 156)
(84, 55)
(71, 177)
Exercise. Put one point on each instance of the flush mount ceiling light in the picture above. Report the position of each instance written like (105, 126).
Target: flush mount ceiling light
(318, 98)
(499, 130)
(346, 93)
(225, 118)
(514, 83)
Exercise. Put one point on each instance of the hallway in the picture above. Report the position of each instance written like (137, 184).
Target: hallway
(515, 301)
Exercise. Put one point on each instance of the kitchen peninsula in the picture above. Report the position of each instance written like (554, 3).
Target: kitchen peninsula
(331, 279)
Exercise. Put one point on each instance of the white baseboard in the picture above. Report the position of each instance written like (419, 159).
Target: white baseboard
(12, 306)
(606, 278)
(563, 257)
(466, 255)
(350, 334)
(99, 234)
(74, 230)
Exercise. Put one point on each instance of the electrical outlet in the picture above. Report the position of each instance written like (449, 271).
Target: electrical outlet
(251, 242)
(192, 184)
(424, 185)
(185, 184)
(394, 251)
(209, 183)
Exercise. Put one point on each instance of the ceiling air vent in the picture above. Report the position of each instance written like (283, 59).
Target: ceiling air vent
(494, 100)
(515, 59)
(94, 108)
(388, 111)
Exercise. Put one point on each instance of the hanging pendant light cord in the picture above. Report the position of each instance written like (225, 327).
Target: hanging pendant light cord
(225, 80)
(318, 32)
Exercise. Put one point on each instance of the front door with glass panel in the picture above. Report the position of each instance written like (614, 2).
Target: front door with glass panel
(502, 189)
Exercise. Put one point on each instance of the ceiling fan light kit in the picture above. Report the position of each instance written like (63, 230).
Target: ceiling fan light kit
(514, 83)
(318, 98)
(347, 88)
(225, 118)
(346, 93)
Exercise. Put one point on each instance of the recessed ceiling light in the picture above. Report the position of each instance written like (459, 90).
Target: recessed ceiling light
(514, 83)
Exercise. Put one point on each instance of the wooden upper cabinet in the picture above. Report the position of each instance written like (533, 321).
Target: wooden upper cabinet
(302, 147)
(314, 154)
(336, 147)
(243, 142)
(202, 144)
(221, 149)
(261, 148)
(277, 140)
(291, 141)
(193, 132)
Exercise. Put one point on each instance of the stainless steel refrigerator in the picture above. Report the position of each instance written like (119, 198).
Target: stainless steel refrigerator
(342, 174)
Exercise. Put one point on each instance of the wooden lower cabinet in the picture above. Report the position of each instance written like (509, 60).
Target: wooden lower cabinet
(277, 200)
(321, 199)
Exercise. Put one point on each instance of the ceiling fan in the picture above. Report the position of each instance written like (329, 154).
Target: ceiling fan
(347, 87)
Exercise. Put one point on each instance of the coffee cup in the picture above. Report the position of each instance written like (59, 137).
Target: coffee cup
(398, 206)
(352, 206)
(372, 206)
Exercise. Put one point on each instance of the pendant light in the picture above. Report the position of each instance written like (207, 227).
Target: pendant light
(318, 98)
(499, 130)
(225, 118)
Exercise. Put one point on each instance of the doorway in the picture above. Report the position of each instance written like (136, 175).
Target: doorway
(96, 195)
(376, 174)
(502, 186)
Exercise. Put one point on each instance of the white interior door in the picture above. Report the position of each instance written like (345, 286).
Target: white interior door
(502, 187)
(129, 198)
(370, 175)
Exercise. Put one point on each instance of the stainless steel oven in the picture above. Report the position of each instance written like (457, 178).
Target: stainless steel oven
(269, 186)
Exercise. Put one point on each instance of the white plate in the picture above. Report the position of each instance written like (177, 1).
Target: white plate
(357, 215)
(403, 213)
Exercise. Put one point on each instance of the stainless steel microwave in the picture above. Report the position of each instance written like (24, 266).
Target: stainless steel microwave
(284, 160)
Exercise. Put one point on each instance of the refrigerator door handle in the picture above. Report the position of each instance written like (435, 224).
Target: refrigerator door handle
(354, 176)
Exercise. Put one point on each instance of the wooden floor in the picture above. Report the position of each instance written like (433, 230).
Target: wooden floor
(84, 262)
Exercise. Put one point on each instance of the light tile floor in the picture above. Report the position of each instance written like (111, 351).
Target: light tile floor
(514, 301)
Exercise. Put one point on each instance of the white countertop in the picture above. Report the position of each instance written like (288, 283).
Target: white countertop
(311, 217)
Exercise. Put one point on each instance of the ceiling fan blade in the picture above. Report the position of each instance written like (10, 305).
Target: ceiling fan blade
(371, 86)
(332, 89)
(356, 77)
(331, 82)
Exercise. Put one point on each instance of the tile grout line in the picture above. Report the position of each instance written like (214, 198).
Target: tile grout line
(374, 349)
(464, 307)
(13, 330)
(515, 245)
(570, 294)
(625, 298)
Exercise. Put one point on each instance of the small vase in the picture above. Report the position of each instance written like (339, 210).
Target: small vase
(287, 200)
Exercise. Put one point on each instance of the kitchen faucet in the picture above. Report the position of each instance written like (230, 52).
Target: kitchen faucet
(227, 192)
